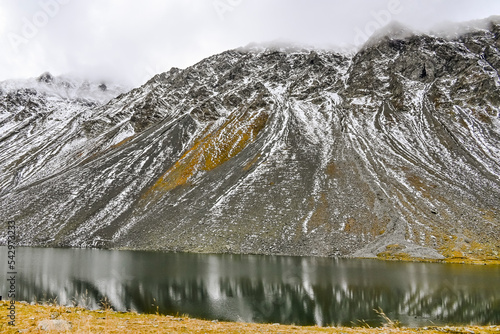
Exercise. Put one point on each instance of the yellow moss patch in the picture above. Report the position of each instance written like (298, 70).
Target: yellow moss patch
(453, 255)
(332, 170)
(213, 149)
(418, 184)
(396, 256)
(394, 252)
(351, 226)
(394, 247)
(489, 215)
(463, 249)
(375, 228)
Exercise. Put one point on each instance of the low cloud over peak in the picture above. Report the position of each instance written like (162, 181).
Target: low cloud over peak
(132, 41)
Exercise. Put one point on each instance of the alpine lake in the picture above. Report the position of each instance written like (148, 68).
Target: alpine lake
(257, 288)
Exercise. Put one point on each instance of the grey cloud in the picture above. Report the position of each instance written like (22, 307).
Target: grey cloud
(132, 40)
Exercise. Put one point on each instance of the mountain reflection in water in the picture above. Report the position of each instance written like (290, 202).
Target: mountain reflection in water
(251, 288)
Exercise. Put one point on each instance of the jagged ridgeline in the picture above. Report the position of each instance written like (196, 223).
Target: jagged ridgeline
(391, 151)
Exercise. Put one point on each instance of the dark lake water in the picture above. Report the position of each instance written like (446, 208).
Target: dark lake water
(251, 288)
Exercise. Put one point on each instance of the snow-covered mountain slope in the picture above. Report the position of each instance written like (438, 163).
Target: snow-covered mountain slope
(41, 125)
(395, 149)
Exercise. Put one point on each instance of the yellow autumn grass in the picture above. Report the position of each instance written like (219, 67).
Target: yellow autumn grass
(28, 318)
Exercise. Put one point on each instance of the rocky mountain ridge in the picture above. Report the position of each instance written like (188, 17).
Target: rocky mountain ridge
(392, 150)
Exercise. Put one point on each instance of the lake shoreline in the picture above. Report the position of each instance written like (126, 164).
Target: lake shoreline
(390, 255)
(40, 317)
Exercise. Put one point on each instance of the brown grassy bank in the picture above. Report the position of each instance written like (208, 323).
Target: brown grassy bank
(31, 319)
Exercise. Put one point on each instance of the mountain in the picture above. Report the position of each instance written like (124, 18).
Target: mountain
(41, 122)
(390, 151)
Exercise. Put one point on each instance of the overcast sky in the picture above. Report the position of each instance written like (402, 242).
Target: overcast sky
(131, 40)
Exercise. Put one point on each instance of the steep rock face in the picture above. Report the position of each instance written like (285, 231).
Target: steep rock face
(286, 151)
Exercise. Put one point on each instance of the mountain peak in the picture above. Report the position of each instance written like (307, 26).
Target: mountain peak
(451, 30)
(46, 77)
(393, 30)
(276, 45)
(69, 87)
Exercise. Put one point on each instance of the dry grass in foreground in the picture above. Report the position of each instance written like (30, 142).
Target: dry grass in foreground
(33, 318)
